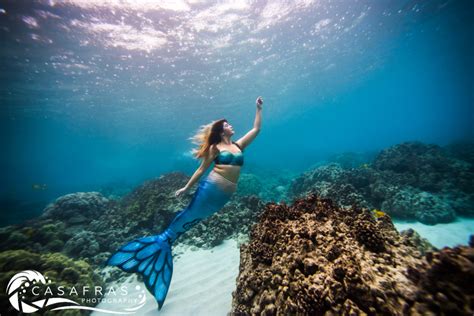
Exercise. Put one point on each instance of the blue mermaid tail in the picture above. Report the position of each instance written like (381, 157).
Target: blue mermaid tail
(151, 256)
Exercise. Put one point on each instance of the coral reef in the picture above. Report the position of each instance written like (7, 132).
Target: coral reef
(91, 226)
(432, 169)
(115, 190)
(77, 208)
(316, 258)
(82, 245)
(425, 207)
(83, 225)
(446, 287)
(153, 204)
(412, 238)
(346, 187)
(411, 180)
(249, 184)
(267, 186)
(349, 160)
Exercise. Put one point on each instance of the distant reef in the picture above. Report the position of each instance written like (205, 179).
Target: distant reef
(409, 181)
(88, 226)
(316, 258)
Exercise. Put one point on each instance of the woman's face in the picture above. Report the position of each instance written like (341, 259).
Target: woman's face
(228, 130)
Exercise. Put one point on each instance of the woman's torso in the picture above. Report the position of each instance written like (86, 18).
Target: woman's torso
(228, 171)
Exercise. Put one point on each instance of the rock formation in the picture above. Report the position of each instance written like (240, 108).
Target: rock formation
(315, 258)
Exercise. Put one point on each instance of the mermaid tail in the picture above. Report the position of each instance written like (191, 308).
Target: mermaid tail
(151, 256)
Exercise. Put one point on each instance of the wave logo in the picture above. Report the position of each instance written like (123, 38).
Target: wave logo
(22, 281)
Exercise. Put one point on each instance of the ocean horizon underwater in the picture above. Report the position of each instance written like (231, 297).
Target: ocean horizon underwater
(356, 197)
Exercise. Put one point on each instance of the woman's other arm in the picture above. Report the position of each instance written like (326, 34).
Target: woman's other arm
(206, 162)
(245, 140)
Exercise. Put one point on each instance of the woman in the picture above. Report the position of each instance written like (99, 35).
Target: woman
(151, 256)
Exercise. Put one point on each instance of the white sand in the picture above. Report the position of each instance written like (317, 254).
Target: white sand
(202, 284)
(442, 235)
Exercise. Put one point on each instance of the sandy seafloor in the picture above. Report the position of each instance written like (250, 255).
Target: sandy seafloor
(202, 284)
(442, 235)
(203, 280)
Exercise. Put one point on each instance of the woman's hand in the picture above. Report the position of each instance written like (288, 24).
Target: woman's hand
(259, 102)
(180, 192)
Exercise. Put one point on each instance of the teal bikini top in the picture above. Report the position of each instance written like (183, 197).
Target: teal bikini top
(226, 157)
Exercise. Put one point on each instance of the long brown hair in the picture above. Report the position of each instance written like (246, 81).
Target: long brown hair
(206, 136)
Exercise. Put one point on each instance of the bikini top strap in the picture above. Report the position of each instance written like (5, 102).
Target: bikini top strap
(237, 146)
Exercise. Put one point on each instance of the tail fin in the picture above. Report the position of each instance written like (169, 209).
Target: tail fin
(150, 257)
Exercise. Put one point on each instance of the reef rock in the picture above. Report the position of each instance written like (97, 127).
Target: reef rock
(153, 204)
(411, 180)
(77, 208)
(315, 258)
(350, 160)
(249, 184)
(345, 187)
(427, 167)
(425, 207)
(267, 185)
(82, 245)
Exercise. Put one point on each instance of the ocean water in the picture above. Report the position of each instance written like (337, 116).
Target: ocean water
(100, 95)
(97, 94)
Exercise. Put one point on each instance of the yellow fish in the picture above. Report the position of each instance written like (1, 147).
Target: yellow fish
(41, 187)
(378, 213)
(365, 166)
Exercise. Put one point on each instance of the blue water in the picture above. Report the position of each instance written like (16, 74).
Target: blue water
(96, 94)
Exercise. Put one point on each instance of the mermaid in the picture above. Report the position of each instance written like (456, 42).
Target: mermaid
(151, 256)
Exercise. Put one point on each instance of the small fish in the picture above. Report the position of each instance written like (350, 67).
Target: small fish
(41, 187)
(378, 213)
(365, 166)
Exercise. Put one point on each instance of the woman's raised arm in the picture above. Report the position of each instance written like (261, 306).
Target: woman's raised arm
(245, 140)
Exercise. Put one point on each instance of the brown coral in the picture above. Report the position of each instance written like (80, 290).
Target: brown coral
(314, 258)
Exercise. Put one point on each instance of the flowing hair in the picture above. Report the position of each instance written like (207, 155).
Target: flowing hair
(206, 136)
